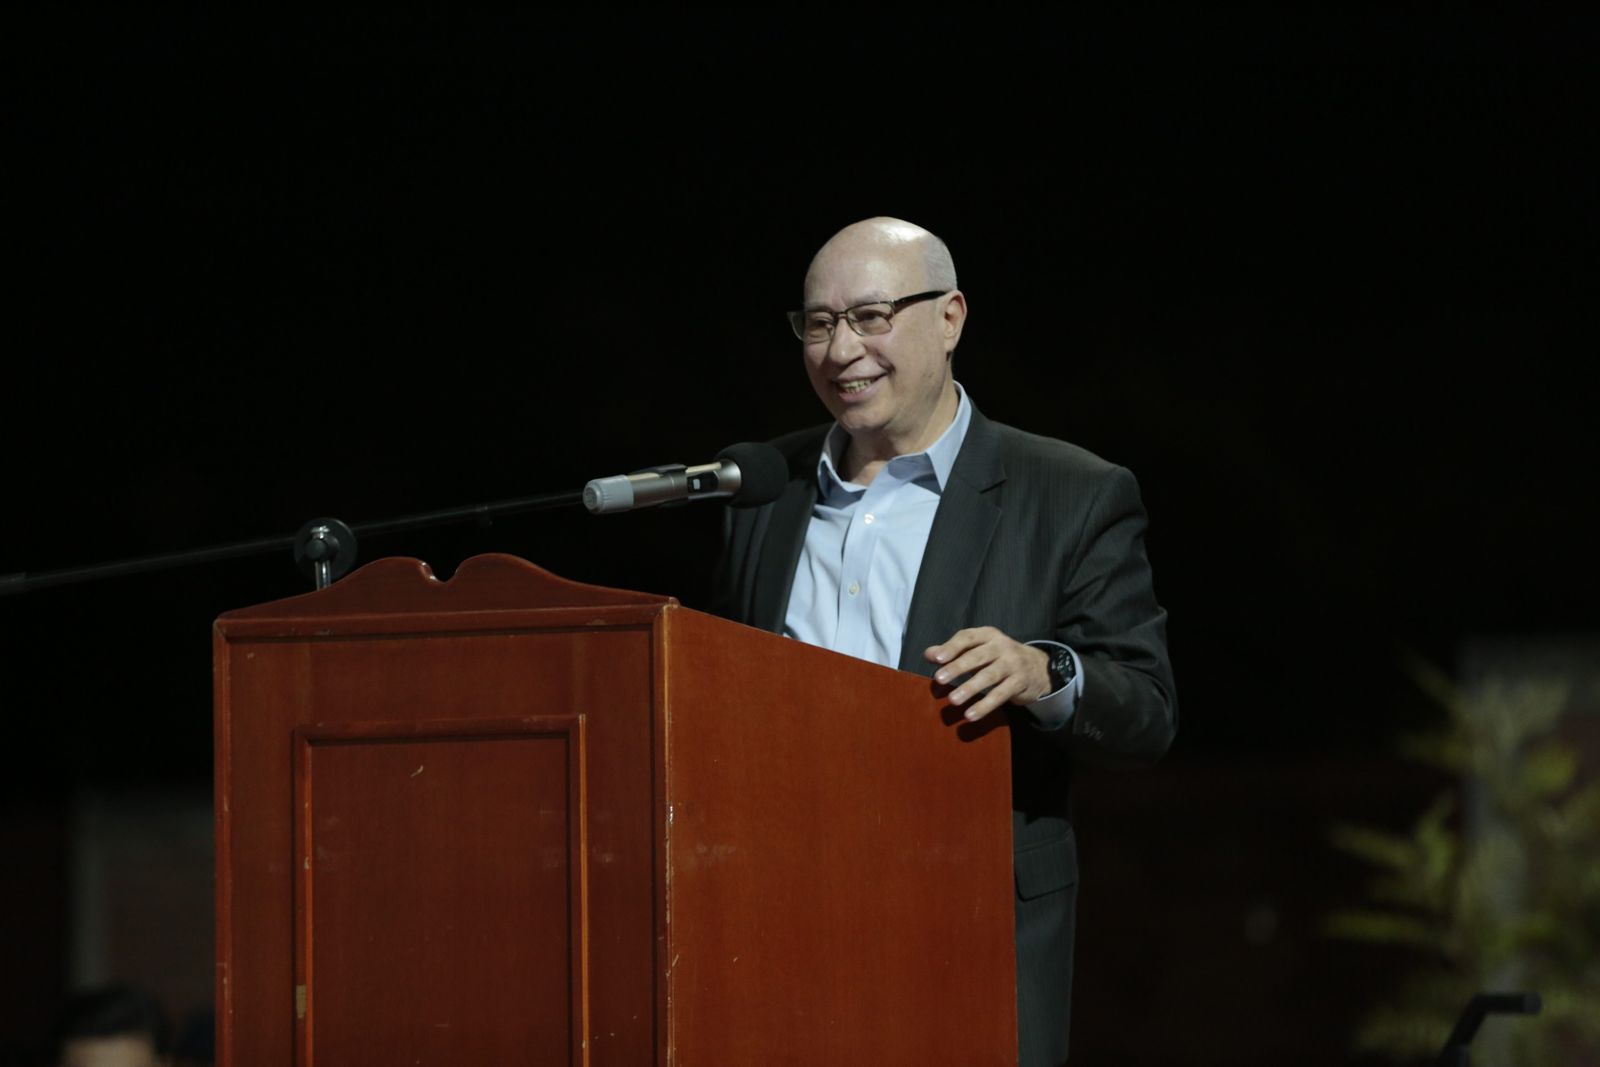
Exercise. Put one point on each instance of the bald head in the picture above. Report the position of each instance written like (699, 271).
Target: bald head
(914, 253)
(886, 379)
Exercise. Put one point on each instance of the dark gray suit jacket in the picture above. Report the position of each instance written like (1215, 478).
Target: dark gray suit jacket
(1041, 539)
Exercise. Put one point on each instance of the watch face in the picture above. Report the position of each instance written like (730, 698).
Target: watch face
(1061, 667)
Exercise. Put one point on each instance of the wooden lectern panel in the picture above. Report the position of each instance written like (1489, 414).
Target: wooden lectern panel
(511, 819)
(432, 854)
(391, 645)
(822, 859)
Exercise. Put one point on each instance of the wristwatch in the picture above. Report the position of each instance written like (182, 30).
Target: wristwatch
(1063, 668)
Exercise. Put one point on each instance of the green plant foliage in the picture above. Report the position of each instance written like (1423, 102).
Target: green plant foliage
(1515, 903)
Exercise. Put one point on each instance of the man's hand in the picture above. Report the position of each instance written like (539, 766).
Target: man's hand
(1011, 671)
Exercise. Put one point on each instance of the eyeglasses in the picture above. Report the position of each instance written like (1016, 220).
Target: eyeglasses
(817, 325)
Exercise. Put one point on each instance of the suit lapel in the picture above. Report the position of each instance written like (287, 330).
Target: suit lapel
(958, 545)
(785, 537)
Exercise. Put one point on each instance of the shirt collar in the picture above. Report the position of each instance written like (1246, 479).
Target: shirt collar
(940, 456)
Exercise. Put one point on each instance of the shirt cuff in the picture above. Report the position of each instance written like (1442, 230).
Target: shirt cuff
(1054, 710)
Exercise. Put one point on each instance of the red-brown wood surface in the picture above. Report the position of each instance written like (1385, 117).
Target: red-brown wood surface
(491, 582)
(455, 820)
(369, 657)
(414, 834)
(839, 861)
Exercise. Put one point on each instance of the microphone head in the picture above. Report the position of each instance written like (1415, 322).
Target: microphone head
(603, 496)
(763, 472)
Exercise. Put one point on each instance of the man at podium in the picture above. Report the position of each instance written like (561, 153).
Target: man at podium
(917, 534)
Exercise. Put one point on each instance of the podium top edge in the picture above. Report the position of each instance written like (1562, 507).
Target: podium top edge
(404, 586)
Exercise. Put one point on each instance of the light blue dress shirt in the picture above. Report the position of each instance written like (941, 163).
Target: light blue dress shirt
(863, 549)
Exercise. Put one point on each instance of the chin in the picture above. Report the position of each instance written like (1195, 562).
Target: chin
(856, 421)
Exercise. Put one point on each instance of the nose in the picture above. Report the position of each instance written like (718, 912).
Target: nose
(845, 345)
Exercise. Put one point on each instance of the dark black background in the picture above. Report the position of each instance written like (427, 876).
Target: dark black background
(1325, 282)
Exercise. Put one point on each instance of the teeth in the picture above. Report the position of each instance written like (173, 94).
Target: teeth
(856, 386)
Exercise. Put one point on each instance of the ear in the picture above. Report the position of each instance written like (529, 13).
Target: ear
(955, 317)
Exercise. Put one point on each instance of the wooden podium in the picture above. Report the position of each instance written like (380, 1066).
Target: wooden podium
(512, 819)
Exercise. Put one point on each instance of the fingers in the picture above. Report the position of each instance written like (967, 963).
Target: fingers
(999, 669)
(960, 642)
(970, 662)
(1006, 692)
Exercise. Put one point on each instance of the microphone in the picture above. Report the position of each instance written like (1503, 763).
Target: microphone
(746, 475)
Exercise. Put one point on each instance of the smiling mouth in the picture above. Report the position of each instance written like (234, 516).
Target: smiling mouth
(855, 385)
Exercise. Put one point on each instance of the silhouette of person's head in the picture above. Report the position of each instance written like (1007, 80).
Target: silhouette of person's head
(116, 1026)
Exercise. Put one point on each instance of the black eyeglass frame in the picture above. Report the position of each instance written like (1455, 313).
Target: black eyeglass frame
(797, 319)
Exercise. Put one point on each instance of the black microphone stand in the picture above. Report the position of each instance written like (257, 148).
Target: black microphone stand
(326, 548)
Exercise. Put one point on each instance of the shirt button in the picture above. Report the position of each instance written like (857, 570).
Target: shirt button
(855, 587)
(867, 520)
